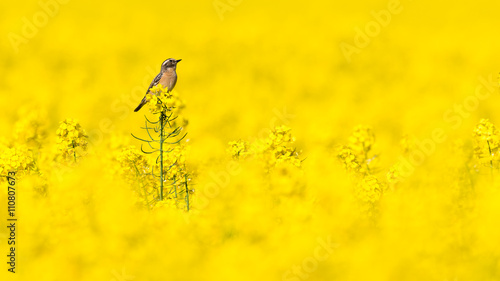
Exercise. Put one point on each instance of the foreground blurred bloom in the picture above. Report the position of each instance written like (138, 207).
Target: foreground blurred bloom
(349, 160)
(356, 156)
(31, 128)
(362, 139)
(394, 175)
(16, 159)
(361, 143)
(369, 191)
(135, 169)
(486, 143)
(276, 149)
(239, 149)
(71, 139)
(175, 171)
(407, 144)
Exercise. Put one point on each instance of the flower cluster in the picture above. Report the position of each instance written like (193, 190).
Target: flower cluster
(133, 164)
(175, 171)
(274, 150)
(31, 128)
(278, 148)
(71, 139)
(17, 159)
(160, 100)
(349, 160)
(394, 174)
(141, 172)
(369, 189)
(356, 158)
(239, 149)
(368, 192)
(361, 143)
(486, 143)
(135, 169)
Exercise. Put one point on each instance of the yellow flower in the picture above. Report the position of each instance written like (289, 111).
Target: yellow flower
(394, 174)
(369, 190)
(486, 142)
(238, 149)
(350, 161)
(361, 143)
(407, 144)
(170, 103)
(135, 169)
(277, 148)
(71, 139)
(362, 140)
(31, 128)
(17, 159)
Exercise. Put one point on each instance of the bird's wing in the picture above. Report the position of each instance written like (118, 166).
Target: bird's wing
(154, 82)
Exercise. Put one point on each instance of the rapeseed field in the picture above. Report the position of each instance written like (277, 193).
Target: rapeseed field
(314, 140)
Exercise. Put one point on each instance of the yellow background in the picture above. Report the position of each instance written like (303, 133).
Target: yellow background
(93, 61)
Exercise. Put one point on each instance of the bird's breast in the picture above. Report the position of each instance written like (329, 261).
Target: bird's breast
(168, 80)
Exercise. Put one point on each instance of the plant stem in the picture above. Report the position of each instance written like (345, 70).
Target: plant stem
(162, 127)
(187, 191)
(175, 187)
(138, 175)
(491, 159)
(366, 158)
(74, 151)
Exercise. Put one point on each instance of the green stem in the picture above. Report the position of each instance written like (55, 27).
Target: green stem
(175, 187)
(187, 191)
(162, 127)
(366, 158)
(491, 159)
(74, 151)
(141, 184)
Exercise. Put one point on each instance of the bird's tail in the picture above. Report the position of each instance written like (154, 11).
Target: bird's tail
(143, 102)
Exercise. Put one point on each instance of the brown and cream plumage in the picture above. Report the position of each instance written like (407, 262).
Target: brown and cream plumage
(167, 78)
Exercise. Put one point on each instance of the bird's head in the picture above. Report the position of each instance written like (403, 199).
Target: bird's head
(170, 63)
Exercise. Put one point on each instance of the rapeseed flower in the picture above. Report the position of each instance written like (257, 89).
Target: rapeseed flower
(135, 169)
(350, 161)
(368, 192)
(71, 139)
(31, 128)
(160, 100)
(486, 143)
(18, 159)
(276, 149)
(361, 144)
(239, 149)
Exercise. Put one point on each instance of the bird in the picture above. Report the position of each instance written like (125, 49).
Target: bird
(167, 78)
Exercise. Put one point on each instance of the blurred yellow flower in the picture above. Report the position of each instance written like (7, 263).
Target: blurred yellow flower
(275, 149)
(17, 159)
(31, 128)
(71, 139)
(159, 100)
(486, 142)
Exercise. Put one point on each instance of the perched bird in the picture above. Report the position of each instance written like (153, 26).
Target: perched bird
(167, 78)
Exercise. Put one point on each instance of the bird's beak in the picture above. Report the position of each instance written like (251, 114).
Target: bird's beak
(178, 61)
